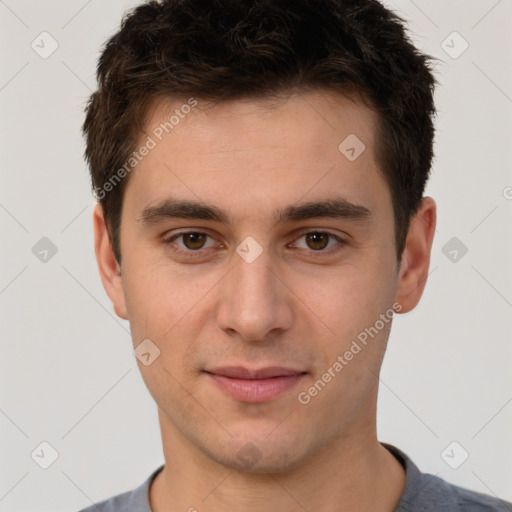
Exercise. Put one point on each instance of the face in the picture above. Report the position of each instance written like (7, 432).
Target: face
(256, 254)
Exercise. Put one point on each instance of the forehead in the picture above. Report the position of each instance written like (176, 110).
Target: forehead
(314, 116)
(253, 153)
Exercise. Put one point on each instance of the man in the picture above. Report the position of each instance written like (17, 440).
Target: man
(260, 169)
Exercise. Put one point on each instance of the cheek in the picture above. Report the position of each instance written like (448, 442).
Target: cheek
(351, 305)
(351, 302)
(351, 297)
(167, 305)
(163, 307)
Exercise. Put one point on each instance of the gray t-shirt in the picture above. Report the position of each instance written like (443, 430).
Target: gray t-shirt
(423, 493)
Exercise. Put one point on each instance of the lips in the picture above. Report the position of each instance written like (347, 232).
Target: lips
(239, 372)
(254, 385)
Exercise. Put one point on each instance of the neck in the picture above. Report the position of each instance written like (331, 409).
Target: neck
(354, 473)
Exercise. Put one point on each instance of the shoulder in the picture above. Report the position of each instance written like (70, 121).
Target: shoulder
(424, 492)
(130, 501)
(119, 503)
(441, 493)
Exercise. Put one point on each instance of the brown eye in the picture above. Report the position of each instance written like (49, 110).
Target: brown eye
(320, 242)
(317, 241)
(193, 241)
(191, 244)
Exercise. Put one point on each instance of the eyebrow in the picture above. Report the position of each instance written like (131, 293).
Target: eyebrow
(336, 208)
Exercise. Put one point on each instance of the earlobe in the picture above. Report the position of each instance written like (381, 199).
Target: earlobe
(110, 271)
(413, 272)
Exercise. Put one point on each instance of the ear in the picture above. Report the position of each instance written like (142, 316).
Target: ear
(110, 271)
(413, 273)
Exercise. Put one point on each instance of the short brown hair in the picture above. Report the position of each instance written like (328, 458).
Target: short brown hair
(230, 49)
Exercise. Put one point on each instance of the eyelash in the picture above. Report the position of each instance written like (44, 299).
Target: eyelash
(200, 252)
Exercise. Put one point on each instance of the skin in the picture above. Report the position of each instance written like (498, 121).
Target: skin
(294, 306)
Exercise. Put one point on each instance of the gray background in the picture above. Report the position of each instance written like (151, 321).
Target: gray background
(68, 375)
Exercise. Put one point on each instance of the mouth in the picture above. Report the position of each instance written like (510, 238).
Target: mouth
(254, 385)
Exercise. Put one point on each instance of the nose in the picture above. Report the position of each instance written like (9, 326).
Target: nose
(255, 303)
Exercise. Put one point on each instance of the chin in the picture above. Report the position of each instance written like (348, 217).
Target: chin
(261, 456)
